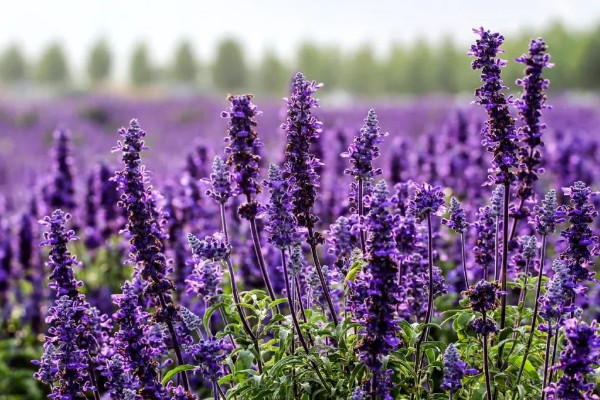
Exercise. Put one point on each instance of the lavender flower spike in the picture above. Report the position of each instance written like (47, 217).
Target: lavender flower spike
(458, 218)
(364, 149)
(546, 217)
(530, 105)
(499, 136)
(220, 180)
(454, 370)
(426, 200)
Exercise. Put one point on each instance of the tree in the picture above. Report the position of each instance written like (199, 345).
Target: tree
(394, 71)
(272, 75)
(185, 66)
(229, 70)
(140, 71)
(12, 65)
(322, 64)
(420, 74)
(362, 74)
(99, 62)
(52, 67)
(447, 64)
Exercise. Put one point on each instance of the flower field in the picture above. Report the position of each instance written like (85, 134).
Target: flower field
(442, 248)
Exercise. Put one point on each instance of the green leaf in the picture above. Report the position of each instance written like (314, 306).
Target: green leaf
(176, 370)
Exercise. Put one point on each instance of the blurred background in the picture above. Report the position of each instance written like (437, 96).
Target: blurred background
(357, 48)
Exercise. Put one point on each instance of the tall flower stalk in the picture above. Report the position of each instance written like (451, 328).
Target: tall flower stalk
(145, 249)
(361, 153)
(302, 128)
(530, 106)
(545, 219)
(459, 224)
(242, 141)
(499, 136)
(426, 201)
(380, 292)
(220, 191)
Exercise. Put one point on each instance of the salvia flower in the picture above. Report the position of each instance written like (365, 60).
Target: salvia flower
(120, 383)
(485, 232)
(497, 201)
(365, 149)
(296, 263)
(205, 280)
(426, 200)
(499, 136)
(529, 247)
(560, 290)
(208, 356)
(358, 394)
(454, 370)
(458, 218)
(191, 320)
(302, 128)
(483, 298)
(61, 191)
(220, 181)
(213, 247)
(342, 239)
(60, 260)
(530, 105)
(579, 358)
(145, 249)
(582, 244)
(282, 226)
(241, 142)
(548, 215)
(378, 314)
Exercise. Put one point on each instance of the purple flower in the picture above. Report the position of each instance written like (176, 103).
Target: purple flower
(426, 200)
(204, 280)
(529, 247)
(364, 149)
(133, 344)
(458, 218)
(60, 193)
(191, 320)
(358, 394)
(120, 382)
(546, 217)
(60, 260)
(282, 226)
(67, 362)
(220, 181)
(454, 370)
(560, 291)
(208, 356)
(213, 247)
(302, 128)
(578, 359)
(485, 232)
(296, 263)
(378, 312)
(532, 101)
(582, 244)
(484, 297)
(342, 239)
(499, 136)
(497, 201)
(241, 142)
(145, 249)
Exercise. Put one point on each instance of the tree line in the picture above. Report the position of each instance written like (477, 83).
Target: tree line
(414, 69)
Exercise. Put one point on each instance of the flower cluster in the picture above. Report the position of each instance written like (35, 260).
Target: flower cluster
(454, 370)
(582, 243)
(485, 233)
(382, 296)
(282, 227)
(426, 200)
(145, 249)
(60, 260)
(458, 218)
(213, 247)
(342, 239)
(364, 149)
(61, 191)
(205, 279)
(532, 101)
(220, 181)
(560, 291)
(302, 128)
(497, 201)
(208, 355)
(483, 298)
(579, 358)
(242, 140)
(548, 215)
(499, 135)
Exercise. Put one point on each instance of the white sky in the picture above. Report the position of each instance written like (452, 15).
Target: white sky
(275, 24)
